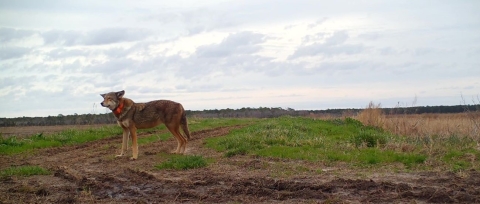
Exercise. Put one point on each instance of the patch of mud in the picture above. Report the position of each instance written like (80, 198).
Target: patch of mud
(90, 173)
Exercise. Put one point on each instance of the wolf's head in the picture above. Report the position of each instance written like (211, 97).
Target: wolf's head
(112, 100)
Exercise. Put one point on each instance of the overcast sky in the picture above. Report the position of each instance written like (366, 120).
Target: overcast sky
(57, 56)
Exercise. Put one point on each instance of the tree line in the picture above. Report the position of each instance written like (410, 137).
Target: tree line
(261, 112)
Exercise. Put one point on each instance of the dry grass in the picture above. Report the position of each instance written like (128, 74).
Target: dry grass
(372, 115)
(442, 125)
(450, 141)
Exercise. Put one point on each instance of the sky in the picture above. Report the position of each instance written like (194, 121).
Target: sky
(57, 56)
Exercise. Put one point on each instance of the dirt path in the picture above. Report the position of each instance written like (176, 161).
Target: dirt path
(89, 173)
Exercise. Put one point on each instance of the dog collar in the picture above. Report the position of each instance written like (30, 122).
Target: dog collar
(119, 109)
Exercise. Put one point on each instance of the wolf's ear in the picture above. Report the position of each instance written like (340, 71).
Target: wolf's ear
(103, 95)
(120, 94)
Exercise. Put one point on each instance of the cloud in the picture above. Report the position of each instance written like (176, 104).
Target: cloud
(308, 39)
(66, 51)
(201, 20)
(10, 34)
(387, 51)
(188, 22)
(16, 81)
(114, 35)
(13, 52)
(372, 36)
(235, 54)
(350, 70)
(61, 53)
(422, 51)
(200, 87)
(333, 45)
(102, 36)
(112, 67)
(67, 38)
(327, 51)
(338, 37)
(235, 44)
(318, 22)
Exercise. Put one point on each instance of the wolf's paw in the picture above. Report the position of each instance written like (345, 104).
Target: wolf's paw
(133, 158)
(120, 155)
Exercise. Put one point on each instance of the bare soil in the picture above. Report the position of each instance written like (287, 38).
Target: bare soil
(89, 173)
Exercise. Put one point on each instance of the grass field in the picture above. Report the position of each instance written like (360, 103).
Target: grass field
(285, 159)
(346, 141)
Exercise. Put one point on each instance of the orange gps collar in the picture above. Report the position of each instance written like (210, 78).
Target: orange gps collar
(119, 108)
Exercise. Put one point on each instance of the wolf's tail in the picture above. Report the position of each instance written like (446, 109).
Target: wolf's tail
(184, 124)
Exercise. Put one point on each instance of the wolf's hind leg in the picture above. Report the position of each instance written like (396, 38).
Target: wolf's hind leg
(181, 141)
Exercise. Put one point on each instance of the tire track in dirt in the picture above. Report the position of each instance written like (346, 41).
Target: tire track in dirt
(90, 173)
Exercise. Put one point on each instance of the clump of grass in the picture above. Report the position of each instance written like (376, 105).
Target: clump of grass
(370, 138)
(180, 162)
(372, 115)
(242, 150)
(23, 171)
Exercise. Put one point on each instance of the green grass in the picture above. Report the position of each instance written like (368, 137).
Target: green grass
(315, 140)
(154, 138)
(183, 162)
(23, 171)
(15, 145)
(460, 159)
(370, 138)
(196, 124)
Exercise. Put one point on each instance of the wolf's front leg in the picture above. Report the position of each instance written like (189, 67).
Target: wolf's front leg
(133, 135)
(124, 143)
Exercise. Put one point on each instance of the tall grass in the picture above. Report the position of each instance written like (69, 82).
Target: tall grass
(443, 125)
(372, 115)
(448, 139)
(420, 125)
